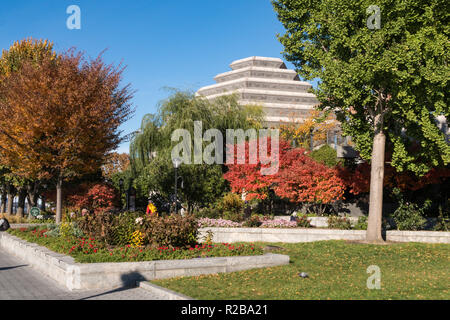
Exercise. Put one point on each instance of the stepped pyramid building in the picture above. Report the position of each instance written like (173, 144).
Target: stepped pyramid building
(266, 82)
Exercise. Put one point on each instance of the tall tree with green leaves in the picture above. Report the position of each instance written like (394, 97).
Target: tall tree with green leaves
(383, 68)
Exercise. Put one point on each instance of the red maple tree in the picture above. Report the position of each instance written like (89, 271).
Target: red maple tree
(358, 179)
(299, 178)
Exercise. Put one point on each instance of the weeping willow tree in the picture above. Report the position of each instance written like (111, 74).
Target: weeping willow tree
(150, 148)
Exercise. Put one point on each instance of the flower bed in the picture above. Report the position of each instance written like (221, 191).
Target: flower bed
(264, 223)
(279, 223)
(207, 222)
(90, 250)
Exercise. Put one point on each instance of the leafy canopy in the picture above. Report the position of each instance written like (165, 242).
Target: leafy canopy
(150, 148)
(398, 73)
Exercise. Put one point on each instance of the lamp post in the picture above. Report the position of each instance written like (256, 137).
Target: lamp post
(44, 186)
(120, 190)
(176, 163)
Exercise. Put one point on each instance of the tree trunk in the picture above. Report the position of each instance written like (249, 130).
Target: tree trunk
(10, 200)
(29, 206)
(376, 185)
(32, 190)
(32, 196)
(21, 203)
(3, 205)
(59, 200)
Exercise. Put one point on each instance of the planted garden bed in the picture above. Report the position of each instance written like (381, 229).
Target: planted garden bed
(107, 275)
(91, 250)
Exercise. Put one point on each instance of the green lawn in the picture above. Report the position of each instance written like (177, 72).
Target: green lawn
(337, 270)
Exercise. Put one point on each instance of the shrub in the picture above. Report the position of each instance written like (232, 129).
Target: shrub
(98, 198)
(170, 231)
(208, 238)
(443, 221)
(208, 212)
(408, 216)
(137, 239)
(53, 230)
(325, 155)
(337, 222)
(124, 226)
(99, 226)
(303, 222)
(65, 230)
(231, 206)
(233, 216)
(361, 224)
(252, 222)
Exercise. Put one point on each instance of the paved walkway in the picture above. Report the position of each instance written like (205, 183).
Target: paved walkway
(19, 281)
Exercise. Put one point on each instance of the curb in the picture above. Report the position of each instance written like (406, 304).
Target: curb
(107, 275)
(297, 235)
(160, 291)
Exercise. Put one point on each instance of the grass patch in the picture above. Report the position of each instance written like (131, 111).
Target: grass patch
(336, 269)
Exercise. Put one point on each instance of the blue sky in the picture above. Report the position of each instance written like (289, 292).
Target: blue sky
(164, 43)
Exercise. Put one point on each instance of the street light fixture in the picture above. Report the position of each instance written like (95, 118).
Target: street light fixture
(44, 186)
(176, 163)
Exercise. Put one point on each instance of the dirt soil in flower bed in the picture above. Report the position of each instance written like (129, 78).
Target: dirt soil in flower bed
(89, 250)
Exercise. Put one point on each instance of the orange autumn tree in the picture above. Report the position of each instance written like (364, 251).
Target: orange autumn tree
(11, 60)
(315, 123)
(59, 118)
(114, 163)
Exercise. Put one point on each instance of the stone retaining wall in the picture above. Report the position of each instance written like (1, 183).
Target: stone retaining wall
(295, 235)
(74, 276)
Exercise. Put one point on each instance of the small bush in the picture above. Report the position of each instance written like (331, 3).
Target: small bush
(337, 222)
(99, 226)
(233, 216)
(212, 213)
(325, 155)
(252, 222)
(408, 216)
(65, 230)
(123, 228)
(303, 222)
(443, 221)
(231, 206)
(99, 198)
(361, 224)
(170, 231)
